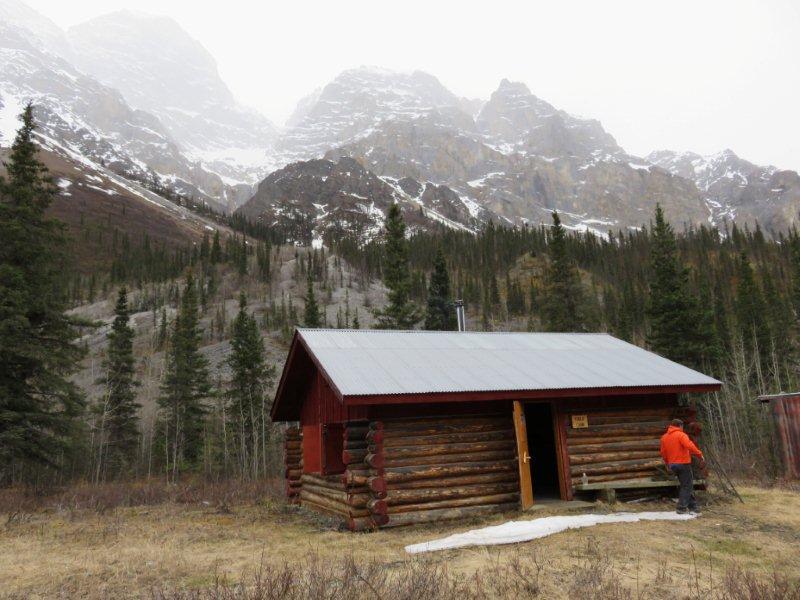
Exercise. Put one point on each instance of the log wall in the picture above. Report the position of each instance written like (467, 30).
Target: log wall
(433, 468)
(293, 456)
(621, 441)
(404, 470)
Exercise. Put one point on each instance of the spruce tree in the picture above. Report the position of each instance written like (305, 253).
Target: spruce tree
(400, 312)
(440, 314)
(216, 249)
(794, 245)
(119, 412)
(263, 252)
(311, 317)
(779, 319)
(205, 248)
(241, 260)
(162, 329)
(562, 297)
(186, 387)
(751, 317)
(250, 378)
(38, 401)
(675, 317)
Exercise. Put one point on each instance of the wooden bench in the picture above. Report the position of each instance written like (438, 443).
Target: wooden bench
(607, 490)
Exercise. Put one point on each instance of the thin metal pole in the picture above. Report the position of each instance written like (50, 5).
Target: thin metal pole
(460, 317)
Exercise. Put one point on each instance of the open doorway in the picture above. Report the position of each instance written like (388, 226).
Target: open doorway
(542, 450)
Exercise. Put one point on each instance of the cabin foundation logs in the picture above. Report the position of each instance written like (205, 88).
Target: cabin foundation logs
(293, 452)
(621, 444)
(429, 469)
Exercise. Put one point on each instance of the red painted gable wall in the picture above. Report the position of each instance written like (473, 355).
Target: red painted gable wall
(321, 407)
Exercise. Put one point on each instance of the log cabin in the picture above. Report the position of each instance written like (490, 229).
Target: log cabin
(389, 428)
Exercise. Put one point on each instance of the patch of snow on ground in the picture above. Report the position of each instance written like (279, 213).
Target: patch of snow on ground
(515, 532)
(482, 181)
(63, 185)
(100, 189)
(473, 207)
(244, 157)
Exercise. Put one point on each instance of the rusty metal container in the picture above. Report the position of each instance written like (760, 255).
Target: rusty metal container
(785, 410)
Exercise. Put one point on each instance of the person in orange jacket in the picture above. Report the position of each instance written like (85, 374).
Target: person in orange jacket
(677, 450)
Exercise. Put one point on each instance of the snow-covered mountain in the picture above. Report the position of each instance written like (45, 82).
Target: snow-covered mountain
(736, 189)
(521, 158)
(34, 27)
(357, 102)
(88, 118)
(85, 118)
(136, 95)
(516, 121)
(159, 68)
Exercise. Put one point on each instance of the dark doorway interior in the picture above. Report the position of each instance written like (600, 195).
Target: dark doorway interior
(542, 448)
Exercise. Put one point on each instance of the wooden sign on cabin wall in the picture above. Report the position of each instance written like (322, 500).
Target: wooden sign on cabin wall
(580, 421)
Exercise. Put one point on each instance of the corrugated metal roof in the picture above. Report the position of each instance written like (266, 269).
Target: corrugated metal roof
(368, 362)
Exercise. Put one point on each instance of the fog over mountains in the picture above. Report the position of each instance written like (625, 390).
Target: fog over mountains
(135, 95)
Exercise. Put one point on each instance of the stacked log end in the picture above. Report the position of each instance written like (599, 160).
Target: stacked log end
(428, 469)
(343, 495)
(293, 452)
(621, 444)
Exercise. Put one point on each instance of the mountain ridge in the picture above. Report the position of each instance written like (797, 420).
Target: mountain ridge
(156, 108)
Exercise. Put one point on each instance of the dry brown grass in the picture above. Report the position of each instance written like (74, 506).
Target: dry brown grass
(202, 548)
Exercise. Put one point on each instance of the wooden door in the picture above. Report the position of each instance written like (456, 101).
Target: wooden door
(332, 448)
(524, 457)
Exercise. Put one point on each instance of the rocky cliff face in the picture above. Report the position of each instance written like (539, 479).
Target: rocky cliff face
(323, 198)
(734, 189)
(516, 121)
(357, 102)
(520, 159)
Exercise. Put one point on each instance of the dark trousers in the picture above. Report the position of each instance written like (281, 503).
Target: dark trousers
(686, 497)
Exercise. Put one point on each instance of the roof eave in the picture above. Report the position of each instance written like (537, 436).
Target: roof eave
(478, 396)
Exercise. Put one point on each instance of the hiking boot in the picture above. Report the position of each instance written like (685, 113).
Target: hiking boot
(682, 511)
(695, 511)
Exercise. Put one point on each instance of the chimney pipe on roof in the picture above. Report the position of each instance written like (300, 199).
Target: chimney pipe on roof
(460, 317)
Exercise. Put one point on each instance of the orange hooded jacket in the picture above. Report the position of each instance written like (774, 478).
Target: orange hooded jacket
(676, 447)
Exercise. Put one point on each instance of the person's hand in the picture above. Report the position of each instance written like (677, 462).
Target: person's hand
(702, 464)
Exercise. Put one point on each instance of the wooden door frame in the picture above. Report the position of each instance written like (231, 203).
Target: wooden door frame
(527, 497)
(523, 455)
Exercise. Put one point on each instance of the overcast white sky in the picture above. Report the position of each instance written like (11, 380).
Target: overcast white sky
(697, 75)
